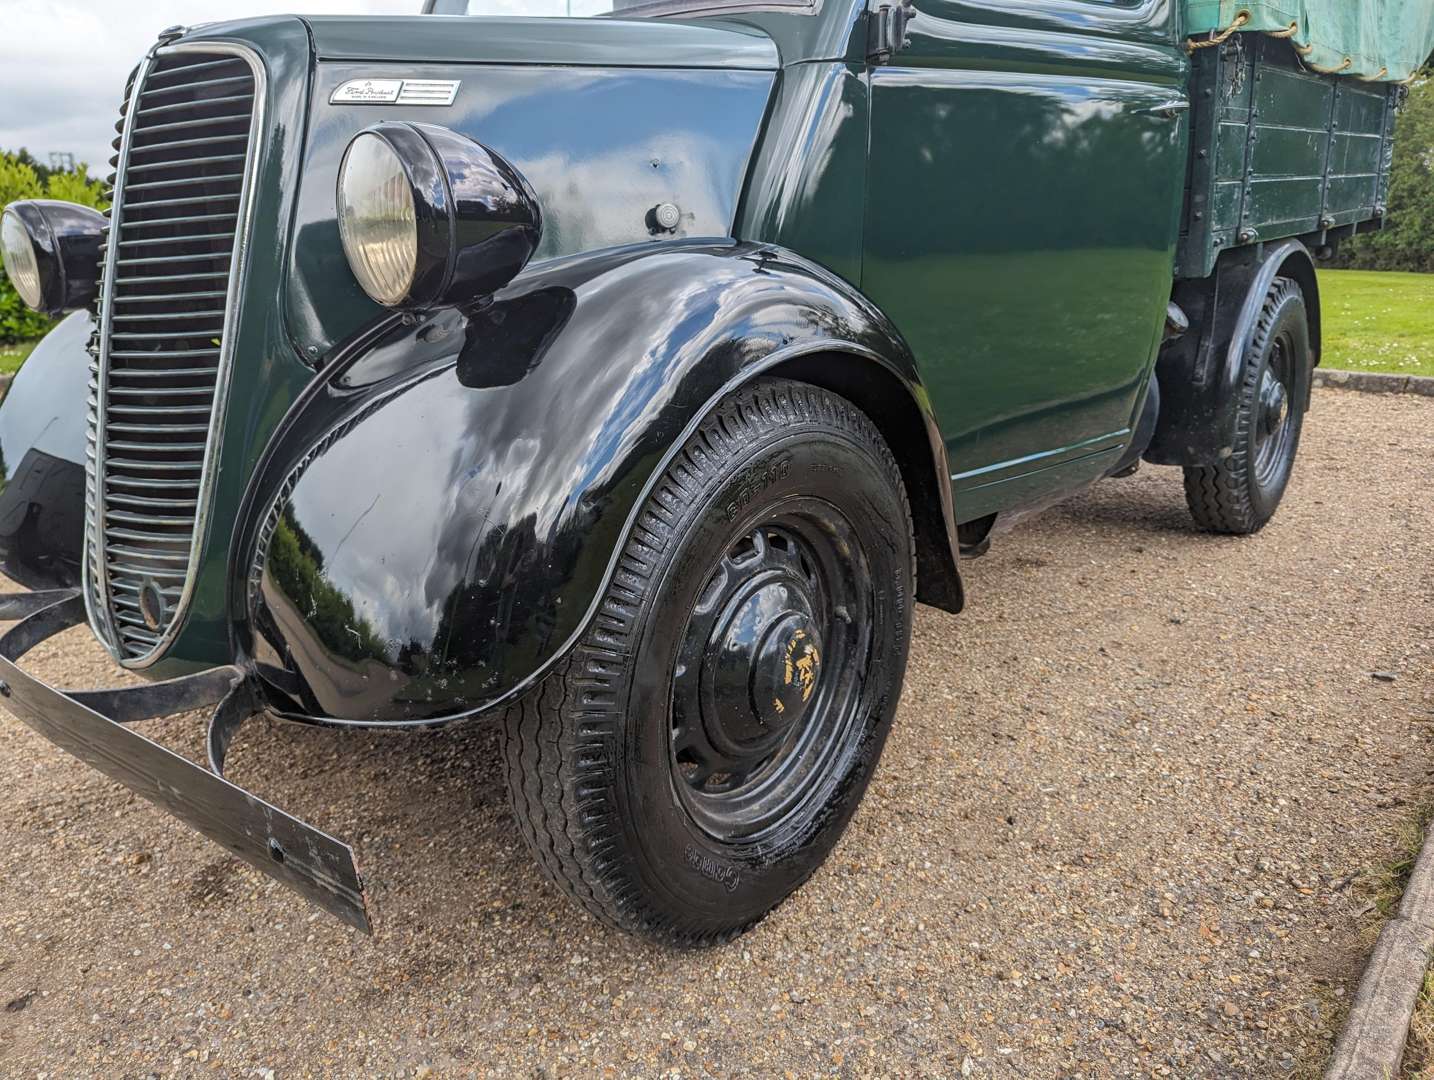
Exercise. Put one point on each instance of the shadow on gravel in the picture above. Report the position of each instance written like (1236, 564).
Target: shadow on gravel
(1136, 507)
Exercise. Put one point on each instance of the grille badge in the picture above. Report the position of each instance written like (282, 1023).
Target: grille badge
(151, 604)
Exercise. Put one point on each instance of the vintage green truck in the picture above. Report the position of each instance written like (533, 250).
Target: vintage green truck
(627, 380)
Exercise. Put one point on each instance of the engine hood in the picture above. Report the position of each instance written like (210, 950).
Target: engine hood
(643, 43)
(606, 119)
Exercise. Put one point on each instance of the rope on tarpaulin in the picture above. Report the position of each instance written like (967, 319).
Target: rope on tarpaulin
(1223, 36)
(1243, 17)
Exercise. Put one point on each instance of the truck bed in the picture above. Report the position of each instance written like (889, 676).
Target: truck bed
(1279, 151)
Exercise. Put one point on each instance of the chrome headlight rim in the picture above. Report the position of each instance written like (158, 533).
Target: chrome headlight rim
(431, 253)
(34, 278)
(477, 221)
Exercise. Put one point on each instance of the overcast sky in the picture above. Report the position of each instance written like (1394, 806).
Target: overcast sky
(63, 62)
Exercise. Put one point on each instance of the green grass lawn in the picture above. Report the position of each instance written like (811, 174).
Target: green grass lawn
(12, 355)
(1378, 321)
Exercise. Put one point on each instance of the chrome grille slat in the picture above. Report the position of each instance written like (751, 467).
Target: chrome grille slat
(147, 536)
(156, 298)
(171, 336)
(196, 239)
(193, 181)
(206, 103)
(131, 517)
(187, 69)
(168, 410)
(228, 80)
(139, 374)
(169, 429)
(167, 316)
(130, 590)
(151, 445)
(206, 200)
(188, 125)
(155, 504)
(139, 464)
(156, 222)
(132, 355)
(142, 260)
(150, 279)
(146, 555)
(182, 171)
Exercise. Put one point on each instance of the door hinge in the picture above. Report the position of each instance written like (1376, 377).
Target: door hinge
(886, 30)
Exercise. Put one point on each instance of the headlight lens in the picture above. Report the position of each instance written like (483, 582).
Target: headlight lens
(378, 221)
(20, 263)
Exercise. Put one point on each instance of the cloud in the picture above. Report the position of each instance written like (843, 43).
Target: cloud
(63, 63)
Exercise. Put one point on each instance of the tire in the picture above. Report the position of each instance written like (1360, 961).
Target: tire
(1241, 493)
(648, 773)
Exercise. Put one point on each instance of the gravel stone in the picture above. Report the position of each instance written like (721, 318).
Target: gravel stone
(1114, 834)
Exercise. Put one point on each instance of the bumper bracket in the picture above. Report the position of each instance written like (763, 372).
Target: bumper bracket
(91, 725)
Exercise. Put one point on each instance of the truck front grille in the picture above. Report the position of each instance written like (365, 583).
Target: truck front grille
(164, 324)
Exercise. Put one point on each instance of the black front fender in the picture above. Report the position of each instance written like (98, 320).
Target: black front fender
(42, 460)
(441, 514)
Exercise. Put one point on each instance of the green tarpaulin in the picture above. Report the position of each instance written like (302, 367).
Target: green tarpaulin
(1366, 39)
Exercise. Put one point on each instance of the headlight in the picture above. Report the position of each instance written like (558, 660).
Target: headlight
(377, 219)
(51, 252)
(19, 254)
(428, 217)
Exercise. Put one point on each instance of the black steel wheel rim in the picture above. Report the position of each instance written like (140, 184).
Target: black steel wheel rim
(1274, 420)
(768, 679)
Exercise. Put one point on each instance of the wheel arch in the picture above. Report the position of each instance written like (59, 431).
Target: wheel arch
(518, 442)
(1299, 265)
(1199, 373)
(910, 432)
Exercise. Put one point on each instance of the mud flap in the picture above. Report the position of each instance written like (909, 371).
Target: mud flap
(90, 724)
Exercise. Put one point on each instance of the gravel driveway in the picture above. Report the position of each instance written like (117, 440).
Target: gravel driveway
(1114, 833)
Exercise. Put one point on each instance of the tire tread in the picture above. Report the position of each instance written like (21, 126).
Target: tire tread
(559, 740)
(1219, 495)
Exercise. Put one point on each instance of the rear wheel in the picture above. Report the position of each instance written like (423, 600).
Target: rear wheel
(702, 750)
(1241, 493)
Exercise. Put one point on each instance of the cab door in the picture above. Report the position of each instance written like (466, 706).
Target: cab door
(1026, 169)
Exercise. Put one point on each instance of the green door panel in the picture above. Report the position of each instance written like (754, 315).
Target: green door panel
(1023, 206)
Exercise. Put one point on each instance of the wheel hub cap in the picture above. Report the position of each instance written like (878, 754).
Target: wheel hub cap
(768, 672)
(1275, 404)
(764, 663)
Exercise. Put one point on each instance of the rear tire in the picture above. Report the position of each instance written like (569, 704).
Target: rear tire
(697, 756)
(1241, 493)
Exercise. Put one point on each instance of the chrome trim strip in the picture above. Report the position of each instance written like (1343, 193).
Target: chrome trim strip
(104, 629)
(237, 266)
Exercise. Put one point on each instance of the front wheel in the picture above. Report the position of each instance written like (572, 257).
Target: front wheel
(1241, 493)
(700, 752)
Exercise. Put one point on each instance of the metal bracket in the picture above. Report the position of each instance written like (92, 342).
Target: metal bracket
(886, 30)
(91, 725)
